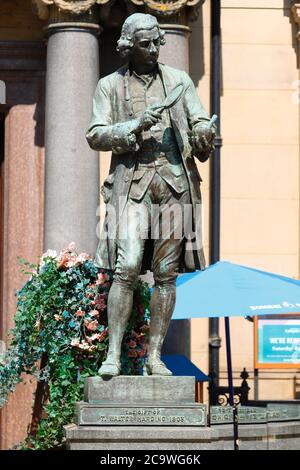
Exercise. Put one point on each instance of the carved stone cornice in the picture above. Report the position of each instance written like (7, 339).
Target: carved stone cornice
(296, 16)
(75, 7)
(84, 10)
(68, 14)
(167, 8)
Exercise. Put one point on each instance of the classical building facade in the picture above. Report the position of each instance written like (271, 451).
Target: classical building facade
(52, 53)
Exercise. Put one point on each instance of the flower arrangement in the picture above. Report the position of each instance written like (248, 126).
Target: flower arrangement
(61, 316)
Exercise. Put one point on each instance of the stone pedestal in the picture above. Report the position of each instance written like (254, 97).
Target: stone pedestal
(135, 412)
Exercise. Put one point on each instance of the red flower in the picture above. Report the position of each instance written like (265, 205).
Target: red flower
(132, 353)
(103, 335)
(140, 310)
(94, 313)
(91, 326)
(80, 313)
(101, 279)
(100, 302)
(62, 260)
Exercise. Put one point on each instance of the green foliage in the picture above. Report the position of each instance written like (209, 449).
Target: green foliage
(61, 314)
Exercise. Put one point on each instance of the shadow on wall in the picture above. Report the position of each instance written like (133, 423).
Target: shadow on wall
(197, 64)
(109, 58)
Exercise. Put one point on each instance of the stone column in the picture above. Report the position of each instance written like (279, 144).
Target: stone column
(175, 52)
(72, 169)
(296, 16)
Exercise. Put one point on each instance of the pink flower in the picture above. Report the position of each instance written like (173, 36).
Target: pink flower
(142, 353)
(101, 279)
(49, 254)
(80, 313)
(84, 345)
(75, 342)
(72, 261)
(82, 257)
(62, 260)
(93, 337)
(100, 303)
(71, 247)
(102, 336)
(57, 317)
(94, 313)
(91, 326)
(132, 344)
(142, 339)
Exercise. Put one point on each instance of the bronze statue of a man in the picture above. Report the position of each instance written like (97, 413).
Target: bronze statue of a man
(152, 164)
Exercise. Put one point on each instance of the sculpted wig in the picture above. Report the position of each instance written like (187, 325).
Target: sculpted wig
(131, 25)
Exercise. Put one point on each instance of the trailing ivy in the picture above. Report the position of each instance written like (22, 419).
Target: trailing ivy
(61, 314)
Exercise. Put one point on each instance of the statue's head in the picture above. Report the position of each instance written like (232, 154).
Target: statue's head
(141, 38)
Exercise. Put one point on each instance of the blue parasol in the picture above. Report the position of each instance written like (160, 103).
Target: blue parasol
(226, 289)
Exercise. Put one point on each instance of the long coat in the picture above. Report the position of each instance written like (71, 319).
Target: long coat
(111, 111)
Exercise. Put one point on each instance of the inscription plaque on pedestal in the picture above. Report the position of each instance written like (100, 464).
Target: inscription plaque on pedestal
(246, 415)
(283, 412)
(146, 415)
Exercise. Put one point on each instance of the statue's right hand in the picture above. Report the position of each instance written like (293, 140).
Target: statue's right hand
(148, 119)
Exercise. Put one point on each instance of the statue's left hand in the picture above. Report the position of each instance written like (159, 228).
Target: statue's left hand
(201, 140)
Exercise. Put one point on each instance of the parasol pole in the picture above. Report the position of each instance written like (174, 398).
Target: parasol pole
(230, 384)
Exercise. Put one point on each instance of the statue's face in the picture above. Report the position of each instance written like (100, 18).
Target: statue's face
(146, 47)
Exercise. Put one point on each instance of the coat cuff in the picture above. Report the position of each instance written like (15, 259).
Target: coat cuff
(123, 140)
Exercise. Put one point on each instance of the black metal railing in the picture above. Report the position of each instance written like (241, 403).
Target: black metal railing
(219, 395)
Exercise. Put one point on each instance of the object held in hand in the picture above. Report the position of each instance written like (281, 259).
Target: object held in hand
(202, 139)
(213, 119)
(170, 101)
